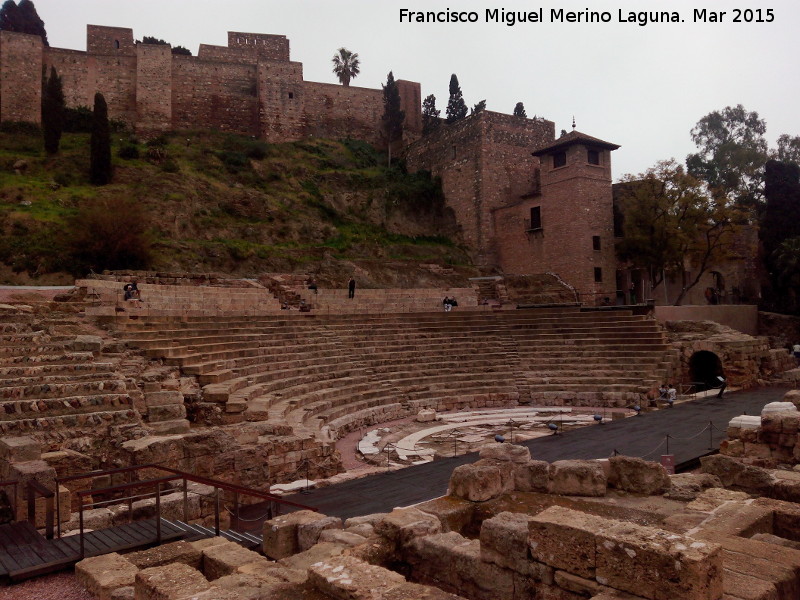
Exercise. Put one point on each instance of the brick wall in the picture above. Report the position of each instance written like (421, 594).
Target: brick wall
(576, 204)
(153, 87)
(215, 95)
(270, 47)
(116, 41)
(338, 111)
(114, 76)
(20, 77)
(281, 96)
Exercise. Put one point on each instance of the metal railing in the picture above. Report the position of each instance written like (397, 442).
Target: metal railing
(154, 488)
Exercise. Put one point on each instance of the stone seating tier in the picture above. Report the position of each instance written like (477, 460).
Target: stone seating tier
(335, 372)
(53, 393)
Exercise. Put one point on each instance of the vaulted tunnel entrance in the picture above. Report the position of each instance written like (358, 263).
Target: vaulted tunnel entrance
(704, 369)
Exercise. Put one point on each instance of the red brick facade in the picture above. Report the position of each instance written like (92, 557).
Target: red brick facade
(250, 87)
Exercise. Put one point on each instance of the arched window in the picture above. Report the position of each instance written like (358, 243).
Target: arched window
(116, 44)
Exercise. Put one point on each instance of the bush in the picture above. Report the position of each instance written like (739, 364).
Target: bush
(128, 152)
(23, 127)
(78, 119)
(257, 150)
(233, 160)
(109, 234)
(170, 166)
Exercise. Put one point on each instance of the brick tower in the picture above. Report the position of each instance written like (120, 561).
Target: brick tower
(571, 228)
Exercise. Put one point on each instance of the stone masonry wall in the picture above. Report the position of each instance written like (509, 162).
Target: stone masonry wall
(154, 87)
(20, 77)
(73, 68)
(485, 164)
(281, 94)
(338, 111)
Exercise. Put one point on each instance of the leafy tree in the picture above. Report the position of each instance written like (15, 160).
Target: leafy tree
(100, 168)
(32, 24)
(732, 154)
(147, 39)
(670, 223)
(788, 149)
(10, 17)
(346, 66)
(479, 107)
(393, 116)
(780, 221)
(430, 115)
(181, 51)
(786, 272)
(53, 112)
(456, 107)
(519, 110)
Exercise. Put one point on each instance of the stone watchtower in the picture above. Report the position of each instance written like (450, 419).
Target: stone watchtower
(570, 229)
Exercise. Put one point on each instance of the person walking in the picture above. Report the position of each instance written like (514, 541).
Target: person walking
(351, 288)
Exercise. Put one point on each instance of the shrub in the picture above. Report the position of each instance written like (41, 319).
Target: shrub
(109, 234)
(23, 127)
(170, 166)
(78, 119)
(128, 152)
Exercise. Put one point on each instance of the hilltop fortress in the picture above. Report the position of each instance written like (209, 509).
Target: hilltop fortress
(526, 202)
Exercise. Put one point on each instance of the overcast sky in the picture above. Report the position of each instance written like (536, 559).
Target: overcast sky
(642, 87)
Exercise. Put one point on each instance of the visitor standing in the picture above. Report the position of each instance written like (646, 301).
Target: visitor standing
(796, 351)
(351, 288)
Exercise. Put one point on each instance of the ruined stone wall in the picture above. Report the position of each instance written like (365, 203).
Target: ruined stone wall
(214, 95)
(262, 45)
(21, 77)
(154, 87)
(485, 164)
(576, 204)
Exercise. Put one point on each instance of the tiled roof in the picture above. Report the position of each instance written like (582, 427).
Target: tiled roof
(574, 137)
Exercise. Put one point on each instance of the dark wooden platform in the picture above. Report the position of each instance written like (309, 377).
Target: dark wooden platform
(25, 553)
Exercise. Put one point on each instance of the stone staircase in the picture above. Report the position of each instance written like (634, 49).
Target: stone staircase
(326, 375)
(52, 389)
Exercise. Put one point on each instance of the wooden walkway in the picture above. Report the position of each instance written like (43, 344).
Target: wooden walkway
(25, 553)
(688, 425)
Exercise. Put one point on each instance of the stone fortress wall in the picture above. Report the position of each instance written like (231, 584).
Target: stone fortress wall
(251, 87)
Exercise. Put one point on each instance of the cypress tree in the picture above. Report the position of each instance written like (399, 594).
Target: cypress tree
(430, 115)
(100, 168)
(31, 21)
(393, 117)
(10, 17)
(456, 107)
(53, 112)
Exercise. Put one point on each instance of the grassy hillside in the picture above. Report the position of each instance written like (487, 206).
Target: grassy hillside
(200, 201)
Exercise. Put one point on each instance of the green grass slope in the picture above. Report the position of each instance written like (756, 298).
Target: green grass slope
(214, 202)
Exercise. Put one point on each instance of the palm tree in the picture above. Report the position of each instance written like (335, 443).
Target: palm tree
(346, 65)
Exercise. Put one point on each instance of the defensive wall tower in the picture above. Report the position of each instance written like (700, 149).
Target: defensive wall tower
(250, 86)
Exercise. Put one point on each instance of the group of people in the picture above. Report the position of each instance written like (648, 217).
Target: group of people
(131, 292)
(668, 394)
(449, 303)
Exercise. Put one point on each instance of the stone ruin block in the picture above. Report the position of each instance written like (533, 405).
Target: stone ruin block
(532, 476)
(478, 482)
(224, 559)
(347, 578)
(637, 476)
(250, 586)
(341, 537)
(25, 472)
(280, 533)
(302, 561)
(18, 449)
(403, 525)
(170, 582)
(506, 452)
(577, 478)
(102, 575)
(415, 591)
(566, 539)
(175, 552)
(453, 513)
(657, 564)
(454, 563)
(504, 542)
(308, 534)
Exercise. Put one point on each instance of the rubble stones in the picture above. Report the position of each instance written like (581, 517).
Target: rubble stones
(308, 534)
(223, 559)
(280, 533)
(175, 552)
(477, 482)
(403, 525)
(347, 578)
(506, 452)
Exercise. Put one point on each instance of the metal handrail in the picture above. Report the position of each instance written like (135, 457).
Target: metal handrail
(37, 489)
(174, 474)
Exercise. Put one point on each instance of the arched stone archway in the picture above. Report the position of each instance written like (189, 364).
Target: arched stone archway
(704, 368)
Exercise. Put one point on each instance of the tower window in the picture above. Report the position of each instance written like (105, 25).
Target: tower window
(596, 242)
(598, 275)
(536, 217)
(559, 159)
(116, 44)
(593, 157)
(291, 95)
(454, 152)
